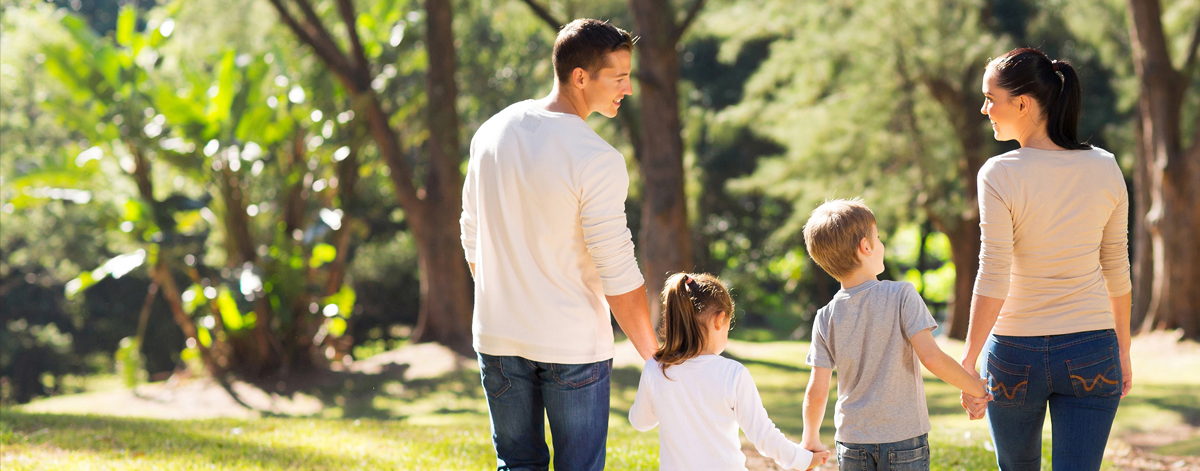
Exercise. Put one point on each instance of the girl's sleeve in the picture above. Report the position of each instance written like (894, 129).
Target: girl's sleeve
(760, 430)
(642, 415)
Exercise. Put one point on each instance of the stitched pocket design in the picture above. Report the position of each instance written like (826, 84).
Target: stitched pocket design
(1096, 374)
(576, 376)
(850, 459)
(494, 381)
(1008, 382)
(904, 460)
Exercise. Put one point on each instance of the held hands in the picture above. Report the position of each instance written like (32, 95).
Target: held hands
(1126, 374)
(821, 455)
(976, 406)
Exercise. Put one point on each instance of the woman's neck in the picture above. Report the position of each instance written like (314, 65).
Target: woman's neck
(1036, 137)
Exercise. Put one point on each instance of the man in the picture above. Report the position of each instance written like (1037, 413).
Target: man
(545, 234)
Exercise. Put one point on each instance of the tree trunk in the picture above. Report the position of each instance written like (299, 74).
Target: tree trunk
(1141, 245)
(961, 106)
(446, 300)
(1173, 219)
(964, 252)
(664, 240)
(432, 211)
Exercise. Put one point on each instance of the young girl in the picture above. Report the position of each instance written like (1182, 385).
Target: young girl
(698, 398)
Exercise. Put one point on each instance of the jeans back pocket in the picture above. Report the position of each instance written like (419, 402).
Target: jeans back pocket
(850, 459)
(1096, 374)
(909, 460)
(1007, 382)
(494, 380)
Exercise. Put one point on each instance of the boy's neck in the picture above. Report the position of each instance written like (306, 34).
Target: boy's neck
(857, 278)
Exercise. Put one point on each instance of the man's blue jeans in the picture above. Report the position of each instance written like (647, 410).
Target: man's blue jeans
(575, 399)
(1077, 375)
(905, 455)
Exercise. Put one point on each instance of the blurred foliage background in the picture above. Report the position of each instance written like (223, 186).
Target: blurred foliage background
(188, 184)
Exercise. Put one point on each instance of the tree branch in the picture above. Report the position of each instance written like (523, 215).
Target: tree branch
(1190, 63)
(692, 13)
(544, 14)
(346, 8)
(323, 45)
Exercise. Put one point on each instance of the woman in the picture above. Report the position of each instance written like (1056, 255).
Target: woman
(1050, 310)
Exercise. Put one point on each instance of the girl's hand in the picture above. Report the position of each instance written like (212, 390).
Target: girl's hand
(821, 455)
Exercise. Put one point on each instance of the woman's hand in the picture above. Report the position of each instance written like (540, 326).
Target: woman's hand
(1126, 373)
(975, 406)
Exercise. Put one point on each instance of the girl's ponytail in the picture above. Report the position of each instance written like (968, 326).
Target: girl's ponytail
(1028, 71)
(1062, 122)
(689, 304)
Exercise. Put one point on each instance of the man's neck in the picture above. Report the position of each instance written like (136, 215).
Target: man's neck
(560, 101)
(857, 278)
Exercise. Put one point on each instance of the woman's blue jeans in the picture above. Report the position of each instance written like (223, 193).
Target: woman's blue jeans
(1077, 375)
(575, 399)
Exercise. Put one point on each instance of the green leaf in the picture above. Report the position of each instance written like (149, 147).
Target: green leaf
(205, 336)
(80, 283)
(322, 254)
(129, 361)
(230, 315)
(343, 299)
(126, 20)
(337, 327)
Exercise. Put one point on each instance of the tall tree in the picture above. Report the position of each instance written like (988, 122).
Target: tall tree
(664, 239)
(1169, 169)
(429, 192)
(877, 99)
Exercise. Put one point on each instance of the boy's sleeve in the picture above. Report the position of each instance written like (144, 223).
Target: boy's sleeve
(760, 430)
(819, 353)
(641, 414)
(914, 314)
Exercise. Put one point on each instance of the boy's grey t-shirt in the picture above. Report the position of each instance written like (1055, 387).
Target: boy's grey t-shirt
(863, 334)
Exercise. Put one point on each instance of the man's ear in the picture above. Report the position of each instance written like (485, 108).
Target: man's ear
(579, 78)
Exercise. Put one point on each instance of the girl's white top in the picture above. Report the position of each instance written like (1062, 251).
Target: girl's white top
(698, 407)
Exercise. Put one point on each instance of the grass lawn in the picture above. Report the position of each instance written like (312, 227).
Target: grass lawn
(441, 424)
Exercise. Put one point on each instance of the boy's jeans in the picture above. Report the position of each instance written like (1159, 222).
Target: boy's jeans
(1078, 375)
(904, 455)
(575, 399)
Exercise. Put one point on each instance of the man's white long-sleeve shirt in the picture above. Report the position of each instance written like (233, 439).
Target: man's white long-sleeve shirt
(544, 223)
(698, 407)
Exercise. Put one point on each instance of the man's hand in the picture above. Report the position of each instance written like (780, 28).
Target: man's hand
(818, 455)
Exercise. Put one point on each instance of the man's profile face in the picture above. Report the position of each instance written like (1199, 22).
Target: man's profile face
(604, 90)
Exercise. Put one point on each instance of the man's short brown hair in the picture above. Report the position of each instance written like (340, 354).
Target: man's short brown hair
(833, 232)
(586, 43)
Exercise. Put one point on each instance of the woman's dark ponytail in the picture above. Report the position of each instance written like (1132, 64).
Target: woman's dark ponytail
(1053, 84)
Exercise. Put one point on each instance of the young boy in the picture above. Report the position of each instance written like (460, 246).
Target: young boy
(869, 333)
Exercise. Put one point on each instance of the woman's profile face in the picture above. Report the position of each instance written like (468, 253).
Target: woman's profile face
(1002, 110)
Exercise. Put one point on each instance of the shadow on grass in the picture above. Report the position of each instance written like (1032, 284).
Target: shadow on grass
(122, 436)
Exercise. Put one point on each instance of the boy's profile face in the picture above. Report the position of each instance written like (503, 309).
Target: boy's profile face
(870, 252)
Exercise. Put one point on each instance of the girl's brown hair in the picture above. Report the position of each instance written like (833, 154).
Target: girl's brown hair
(690, 302)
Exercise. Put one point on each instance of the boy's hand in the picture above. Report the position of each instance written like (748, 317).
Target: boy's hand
(821, 455)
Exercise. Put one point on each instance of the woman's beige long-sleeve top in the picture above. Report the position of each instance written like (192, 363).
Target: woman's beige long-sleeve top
(1054, 240)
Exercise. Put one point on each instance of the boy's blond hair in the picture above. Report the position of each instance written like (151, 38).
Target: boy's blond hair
(833, 232)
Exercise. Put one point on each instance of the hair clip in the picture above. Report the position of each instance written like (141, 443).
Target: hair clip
(691, 284)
